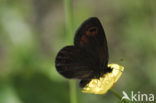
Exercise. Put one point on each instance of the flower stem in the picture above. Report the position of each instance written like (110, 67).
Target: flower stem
(73, 96)
(69, 32)
(69, 20)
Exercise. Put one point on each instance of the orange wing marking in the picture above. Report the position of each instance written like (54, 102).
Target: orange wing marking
(92, 31)
(83, 40)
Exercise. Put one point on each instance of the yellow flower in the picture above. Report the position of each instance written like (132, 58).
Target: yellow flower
(106, 82)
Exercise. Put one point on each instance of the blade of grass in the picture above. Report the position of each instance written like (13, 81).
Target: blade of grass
(69, 32)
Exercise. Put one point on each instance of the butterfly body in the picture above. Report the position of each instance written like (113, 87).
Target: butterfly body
(88, 57)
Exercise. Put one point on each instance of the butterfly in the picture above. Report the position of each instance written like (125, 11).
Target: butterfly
(87, 59)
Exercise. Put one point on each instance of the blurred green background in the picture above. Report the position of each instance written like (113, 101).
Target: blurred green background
(33, 31)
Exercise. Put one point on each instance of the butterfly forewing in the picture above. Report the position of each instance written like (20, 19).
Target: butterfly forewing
(91, 37)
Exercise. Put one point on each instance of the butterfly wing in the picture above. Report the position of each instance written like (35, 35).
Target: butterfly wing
(88, 57)
(91, 37)
(73, 62)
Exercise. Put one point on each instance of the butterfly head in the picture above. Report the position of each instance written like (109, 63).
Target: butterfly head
(105, 82)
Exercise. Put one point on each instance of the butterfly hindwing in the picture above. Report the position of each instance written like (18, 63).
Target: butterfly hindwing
(91, 37)
(73, 62)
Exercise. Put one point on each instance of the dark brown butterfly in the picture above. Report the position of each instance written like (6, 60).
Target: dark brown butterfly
(88, 57)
